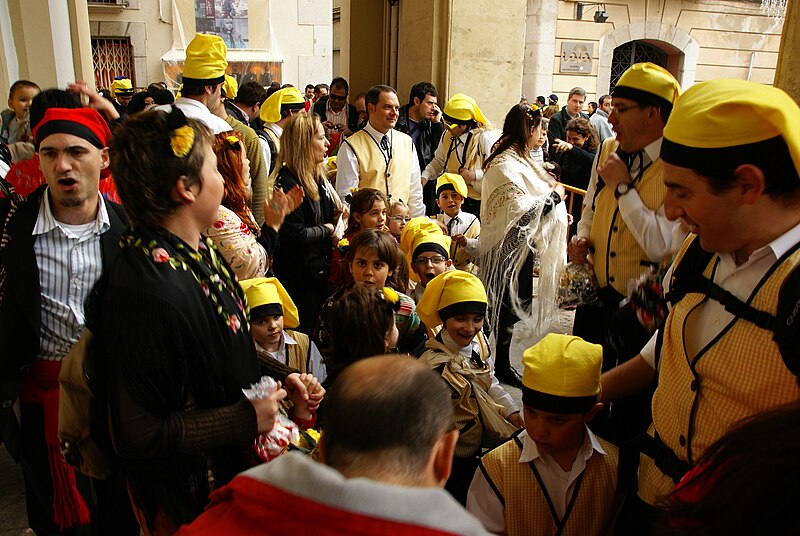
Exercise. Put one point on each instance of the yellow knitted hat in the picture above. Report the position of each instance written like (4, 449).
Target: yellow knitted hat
(205, 60)
(267, 297)
(649, 84)
(454, 180)
(450, 293)
(230, 86)
(463, 108)
(562, 374)
(121, 87)
(714, 122)
(288, 96)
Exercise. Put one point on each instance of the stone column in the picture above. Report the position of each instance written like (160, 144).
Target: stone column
(787, 73)
(540, 48)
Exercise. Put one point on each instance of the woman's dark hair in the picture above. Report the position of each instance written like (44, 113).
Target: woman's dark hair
(51, 98)
(747, 482)
(387, 250)
(361, 202)
(145, 169)
(516, 132)
(582, 126)
(356, 322)
(163, 96)
(137, 104)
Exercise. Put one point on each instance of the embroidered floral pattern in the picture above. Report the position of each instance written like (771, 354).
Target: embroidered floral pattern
(160, 255)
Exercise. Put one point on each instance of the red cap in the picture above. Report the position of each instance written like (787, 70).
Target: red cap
(85, 123)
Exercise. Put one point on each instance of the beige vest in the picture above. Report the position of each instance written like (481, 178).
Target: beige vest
(617, 256)
(373, 171)
(526, 508)
(297, 355)
(699, 398)
(473, 159)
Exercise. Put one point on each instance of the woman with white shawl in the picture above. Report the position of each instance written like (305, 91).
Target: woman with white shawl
(522, 216)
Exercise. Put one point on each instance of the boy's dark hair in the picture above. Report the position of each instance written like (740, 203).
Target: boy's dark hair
(51, 98)
(341, 83)
(420, 91)
(194, 89)
(20, 84)
(251, 93)
(374, 94)
(163, 96)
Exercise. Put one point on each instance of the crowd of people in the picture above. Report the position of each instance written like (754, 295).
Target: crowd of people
(373, 259)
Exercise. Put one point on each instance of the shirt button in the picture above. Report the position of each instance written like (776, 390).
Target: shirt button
(612, 254)
(694, 385)
(614, 229)
(611, 279)
(716, 321)
(682, 440)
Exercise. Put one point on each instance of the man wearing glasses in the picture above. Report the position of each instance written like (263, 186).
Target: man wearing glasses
(339, 118)
(623, 225)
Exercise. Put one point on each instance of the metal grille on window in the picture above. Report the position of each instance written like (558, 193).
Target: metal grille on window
(632, 52)
(113, 56)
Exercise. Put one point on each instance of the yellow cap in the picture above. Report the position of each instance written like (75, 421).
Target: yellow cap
(271, 109)
(453, 179)
(649, 84)
(463, 108)
(121, 87)
(205, 59)
(264, 294)
(450, 293)
(713, 120)
(415, 227)
(562, 374)
(230, 86)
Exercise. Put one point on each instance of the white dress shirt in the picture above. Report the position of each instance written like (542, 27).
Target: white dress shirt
(486, 140)
(465, 220)
(316, 365)
(347, 175)
(195, 109)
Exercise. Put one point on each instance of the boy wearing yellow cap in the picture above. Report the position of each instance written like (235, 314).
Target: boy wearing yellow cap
(121, 92)
(485, 412)
(271, 311)
(466, 143)
(427, 251)
(555, 476)
(462, 227)
(731, 157)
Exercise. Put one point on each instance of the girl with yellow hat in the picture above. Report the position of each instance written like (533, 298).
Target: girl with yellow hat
(485, 412)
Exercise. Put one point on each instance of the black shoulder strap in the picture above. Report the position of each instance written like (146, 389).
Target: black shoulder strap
(692, 265)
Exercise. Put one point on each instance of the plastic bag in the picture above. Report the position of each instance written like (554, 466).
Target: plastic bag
(271, 445)
(577, 285)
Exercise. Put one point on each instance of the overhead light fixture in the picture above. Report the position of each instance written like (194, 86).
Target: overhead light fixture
(599, 16)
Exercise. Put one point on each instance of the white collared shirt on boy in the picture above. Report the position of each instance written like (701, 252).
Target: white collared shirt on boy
(496, 391)
(464, 220)
(483, 503)
(315, 365)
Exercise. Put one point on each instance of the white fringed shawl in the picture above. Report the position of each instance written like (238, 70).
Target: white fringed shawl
(516, 191)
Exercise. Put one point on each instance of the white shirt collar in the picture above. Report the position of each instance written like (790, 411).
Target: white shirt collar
(653, 149)
(46, 221)
(274, 127)
(777, 248)
(377, 136)
(280, 354)
(530, 452)
(463, 351)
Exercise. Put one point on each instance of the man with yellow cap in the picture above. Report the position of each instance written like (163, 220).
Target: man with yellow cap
(466, 143)
(623, 224)
(121, 93)
(275, 113)
(731, 157)
(203, 76)
(380, 157)
(462, 227)
(555, 476)
(485, 412)
(273, 315)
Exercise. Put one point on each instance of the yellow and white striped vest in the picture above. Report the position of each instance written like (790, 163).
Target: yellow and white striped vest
(372, 169)
(699, 398)
(617, 256)
(526, 509)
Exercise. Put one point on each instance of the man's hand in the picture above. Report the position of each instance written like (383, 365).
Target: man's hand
(96, 100)
(578, 250)
(516, 419)
(614, 171)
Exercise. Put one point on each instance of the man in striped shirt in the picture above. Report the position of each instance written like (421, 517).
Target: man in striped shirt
(55, 247)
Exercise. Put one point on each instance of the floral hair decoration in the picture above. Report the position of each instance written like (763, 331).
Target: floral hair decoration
(181, 135)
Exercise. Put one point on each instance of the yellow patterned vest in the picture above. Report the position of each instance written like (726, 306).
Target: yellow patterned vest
(617, 256)
(473, 159)
(297, 355)
(372, 169)
(525, 504)
(699, 398)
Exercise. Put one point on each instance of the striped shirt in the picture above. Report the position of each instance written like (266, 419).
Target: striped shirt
(70, 263)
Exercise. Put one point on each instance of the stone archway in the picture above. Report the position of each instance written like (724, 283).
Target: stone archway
(653, 32)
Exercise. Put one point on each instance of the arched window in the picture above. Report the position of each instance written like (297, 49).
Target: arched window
(632, 52)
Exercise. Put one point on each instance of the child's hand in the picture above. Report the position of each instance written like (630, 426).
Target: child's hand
(306, 394)
(516, 419)
(460, 239)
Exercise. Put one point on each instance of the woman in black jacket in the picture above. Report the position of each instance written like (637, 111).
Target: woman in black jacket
(303, 257)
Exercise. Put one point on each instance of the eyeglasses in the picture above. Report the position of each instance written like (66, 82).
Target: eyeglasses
(398, 219)
(622, 109)
(338, 97)
(436, 260)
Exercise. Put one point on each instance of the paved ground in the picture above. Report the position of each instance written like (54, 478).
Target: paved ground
(12, 498)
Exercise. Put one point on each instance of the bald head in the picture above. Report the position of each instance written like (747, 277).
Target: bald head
(390, 405)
